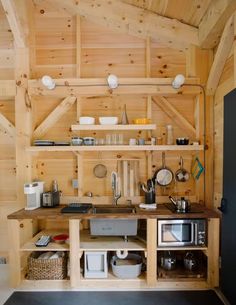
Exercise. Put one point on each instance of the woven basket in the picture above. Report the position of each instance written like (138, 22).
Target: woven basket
(46, 269)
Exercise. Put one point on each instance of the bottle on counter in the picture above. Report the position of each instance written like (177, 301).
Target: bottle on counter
(169, 135)
(54, 186)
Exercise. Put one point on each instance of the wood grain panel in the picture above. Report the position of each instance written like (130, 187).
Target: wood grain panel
(122, 62)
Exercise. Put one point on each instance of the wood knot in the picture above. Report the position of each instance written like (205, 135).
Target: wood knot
(18, 83)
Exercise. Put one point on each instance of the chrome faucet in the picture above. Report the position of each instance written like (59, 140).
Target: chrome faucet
(116, 193)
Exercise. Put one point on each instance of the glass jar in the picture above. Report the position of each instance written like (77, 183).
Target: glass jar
(169, 135)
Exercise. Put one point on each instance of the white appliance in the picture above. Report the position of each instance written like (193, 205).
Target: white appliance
(33, 192)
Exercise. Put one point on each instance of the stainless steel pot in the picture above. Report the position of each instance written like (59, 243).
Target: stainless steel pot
(168, 261)
(190, 262)
(181, 205)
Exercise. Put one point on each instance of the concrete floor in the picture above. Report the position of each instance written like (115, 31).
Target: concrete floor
(5, 291)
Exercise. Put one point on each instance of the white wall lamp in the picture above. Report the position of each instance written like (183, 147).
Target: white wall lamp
(112, 81)
(178, 81)
(48, 82)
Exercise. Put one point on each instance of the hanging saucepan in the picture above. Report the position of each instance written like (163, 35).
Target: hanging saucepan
(182, 175)
(164, 175)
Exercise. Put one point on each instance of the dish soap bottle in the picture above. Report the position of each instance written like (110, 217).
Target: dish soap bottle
(124, 118)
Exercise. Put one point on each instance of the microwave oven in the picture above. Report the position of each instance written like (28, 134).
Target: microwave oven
(182, 232)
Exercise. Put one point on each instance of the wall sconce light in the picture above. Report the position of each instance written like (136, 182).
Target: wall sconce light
(112, 81)
(48, 82)
(178, 81)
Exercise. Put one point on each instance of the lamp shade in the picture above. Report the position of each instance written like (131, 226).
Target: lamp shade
(48, 82)
(112, 81)
(178, 81)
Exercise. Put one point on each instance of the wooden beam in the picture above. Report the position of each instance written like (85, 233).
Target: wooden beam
(133, 20)
(23, 123)
(213, 22)
(174, 114)
(14, 21)
(54, 116)
(7, 88)
(7, 125)
(221, 55)
(98, 87)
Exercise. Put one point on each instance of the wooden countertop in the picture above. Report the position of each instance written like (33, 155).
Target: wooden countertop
(161, 212)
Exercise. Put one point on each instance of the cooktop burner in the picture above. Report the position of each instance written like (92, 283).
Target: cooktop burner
(192, 209)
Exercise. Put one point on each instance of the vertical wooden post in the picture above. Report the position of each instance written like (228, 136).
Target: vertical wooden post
(149, 103)
(213, 252)
(14, 252)
(23, 122)
(74, 232)
(151, 252)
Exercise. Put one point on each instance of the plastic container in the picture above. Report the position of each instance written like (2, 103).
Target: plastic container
(128, 268)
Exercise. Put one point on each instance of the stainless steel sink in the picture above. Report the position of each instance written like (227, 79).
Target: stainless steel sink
(113, 226)
(114, 210)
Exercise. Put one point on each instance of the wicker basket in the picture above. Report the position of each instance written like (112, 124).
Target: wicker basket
(46, 269)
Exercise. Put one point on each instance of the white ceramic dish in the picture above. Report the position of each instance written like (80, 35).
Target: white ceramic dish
(86, 120)
(108, 120)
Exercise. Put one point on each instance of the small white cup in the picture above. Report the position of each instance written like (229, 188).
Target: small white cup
(132, 142)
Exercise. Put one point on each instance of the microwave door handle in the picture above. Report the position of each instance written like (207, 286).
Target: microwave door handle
(195, 233)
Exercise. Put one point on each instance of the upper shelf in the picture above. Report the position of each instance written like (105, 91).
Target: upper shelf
(114, 127)
(117, 148)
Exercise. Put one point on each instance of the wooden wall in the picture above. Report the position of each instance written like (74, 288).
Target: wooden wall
(7, 145)
(65, 47)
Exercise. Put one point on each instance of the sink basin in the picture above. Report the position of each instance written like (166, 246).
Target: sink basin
(113, 226)
(113, 210)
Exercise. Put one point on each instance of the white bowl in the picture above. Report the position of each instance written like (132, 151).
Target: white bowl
(86, 120)
(108, 120)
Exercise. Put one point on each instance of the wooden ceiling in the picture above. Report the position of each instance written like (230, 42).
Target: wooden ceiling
(173, 23)
(187, 11)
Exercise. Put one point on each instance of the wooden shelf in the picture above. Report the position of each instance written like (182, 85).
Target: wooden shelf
(114, 127)
(30, 245)
(109, 243)
(116, 148)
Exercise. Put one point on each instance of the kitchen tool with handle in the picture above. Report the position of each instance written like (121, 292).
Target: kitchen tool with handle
(182, 175)
(164, 175)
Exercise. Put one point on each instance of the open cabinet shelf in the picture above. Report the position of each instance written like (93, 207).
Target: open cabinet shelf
(109, 243)
(52, 246)
(116, 148)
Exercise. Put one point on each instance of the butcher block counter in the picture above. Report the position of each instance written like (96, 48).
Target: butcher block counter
(161, 212)
(25, 227)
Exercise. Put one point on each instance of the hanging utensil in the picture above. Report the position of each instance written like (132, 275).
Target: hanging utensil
(164, 175)
(182, 175)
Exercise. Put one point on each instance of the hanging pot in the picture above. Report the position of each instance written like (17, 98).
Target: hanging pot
(164, 175)
(182, 175)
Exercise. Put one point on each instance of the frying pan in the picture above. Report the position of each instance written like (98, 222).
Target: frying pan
(182, 175)
(163, 176)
